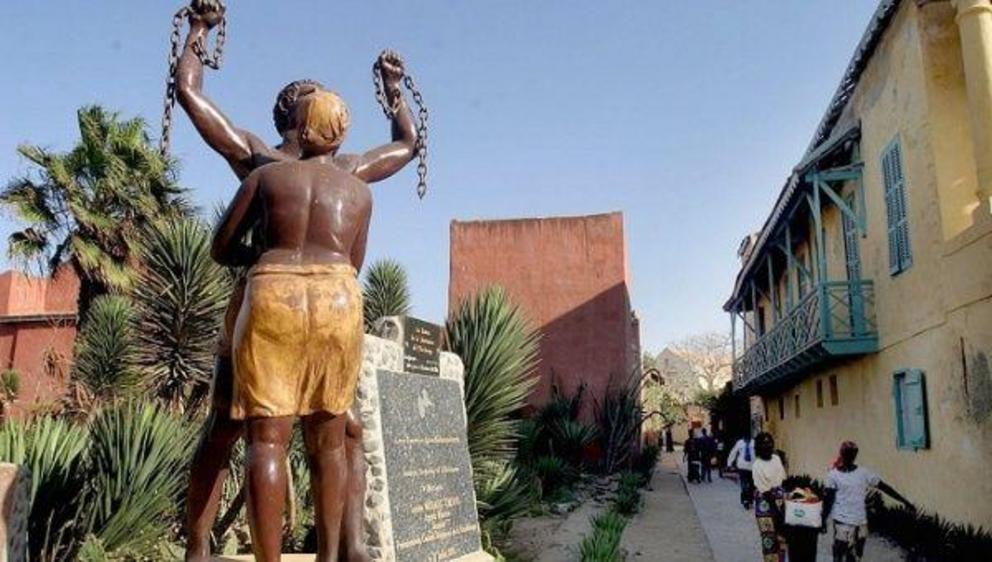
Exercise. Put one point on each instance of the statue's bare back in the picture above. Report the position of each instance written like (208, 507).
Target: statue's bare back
(312, 212)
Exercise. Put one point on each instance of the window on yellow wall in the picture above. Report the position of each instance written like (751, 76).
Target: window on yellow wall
(781, 407)
(797, 406)
(897, 216)
(834, 394)
(910, 394)
(819, 393)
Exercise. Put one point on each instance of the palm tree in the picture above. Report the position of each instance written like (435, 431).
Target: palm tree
(89, 207)
(386, 292)
(180, 298)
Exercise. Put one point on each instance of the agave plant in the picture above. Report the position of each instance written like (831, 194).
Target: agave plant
(52, 450)
(137, 462)
(106, 353)
(180, 300)
(499, 349)
(386, 292)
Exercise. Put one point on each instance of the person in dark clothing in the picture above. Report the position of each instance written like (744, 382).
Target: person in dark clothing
(692, 454)
(707, 449)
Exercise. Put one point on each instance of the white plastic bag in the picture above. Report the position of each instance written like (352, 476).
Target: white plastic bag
(803, 514)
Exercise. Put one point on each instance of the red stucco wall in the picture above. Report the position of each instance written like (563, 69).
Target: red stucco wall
(37, 334)
(569, 275)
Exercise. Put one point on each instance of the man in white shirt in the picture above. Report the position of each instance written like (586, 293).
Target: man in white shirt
(846, 491)
(742, 456)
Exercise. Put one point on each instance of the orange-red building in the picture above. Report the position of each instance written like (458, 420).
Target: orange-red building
(37, 333)
(570, 276)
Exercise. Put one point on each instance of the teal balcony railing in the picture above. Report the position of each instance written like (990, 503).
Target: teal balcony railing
(834, 320)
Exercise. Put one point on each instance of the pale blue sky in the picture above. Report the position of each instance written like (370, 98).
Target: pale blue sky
(686, 116)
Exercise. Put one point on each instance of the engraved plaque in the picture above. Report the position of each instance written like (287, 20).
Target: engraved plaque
(421, 347)
(429, 473)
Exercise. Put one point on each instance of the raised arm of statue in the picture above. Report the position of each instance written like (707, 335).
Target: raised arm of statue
(384, 161)
(228, 242)
(235, 145)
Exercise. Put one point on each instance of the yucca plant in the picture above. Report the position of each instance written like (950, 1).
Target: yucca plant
(386, 292)
(89, 207)
(52, 449)
(571, 438)
(137, 459)
(499, 349)
(180, 301)
(553, 472)
(619, 417)
(106, 350)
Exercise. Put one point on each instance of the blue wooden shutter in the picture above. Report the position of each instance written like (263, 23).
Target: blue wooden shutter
(912, 428)
(900, 254)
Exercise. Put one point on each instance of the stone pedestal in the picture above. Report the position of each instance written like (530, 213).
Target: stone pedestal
(383, 361)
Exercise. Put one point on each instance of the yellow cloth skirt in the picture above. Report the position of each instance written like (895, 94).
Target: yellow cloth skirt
(297, 341)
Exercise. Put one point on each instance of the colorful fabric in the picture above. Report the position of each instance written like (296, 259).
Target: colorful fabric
(849, 542)
(773, 545)
(298, 341)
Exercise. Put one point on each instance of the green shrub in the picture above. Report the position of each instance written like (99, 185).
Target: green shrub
(627, 501)
(10, 385)
(646, 461)
(603, 545)
(504, 497)
(630, 480)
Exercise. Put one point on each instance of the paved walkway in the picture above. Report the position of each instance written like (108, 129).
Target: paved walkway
(733, 533)
(666, 529)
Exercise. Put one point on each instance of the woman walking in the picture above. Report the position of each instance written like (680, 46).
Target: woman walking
(741, 457)
(769, 507)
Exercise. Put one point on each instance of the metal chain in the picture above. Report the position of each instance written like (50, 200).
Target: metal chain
(213, 61)
(422, 116)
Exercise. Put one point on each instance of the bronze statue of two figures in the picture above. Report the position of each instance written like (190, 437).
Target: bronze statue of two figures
(292, 339)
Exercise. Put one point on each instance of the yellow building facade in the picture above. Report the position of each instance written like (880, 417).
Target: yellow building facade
(863, 308)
